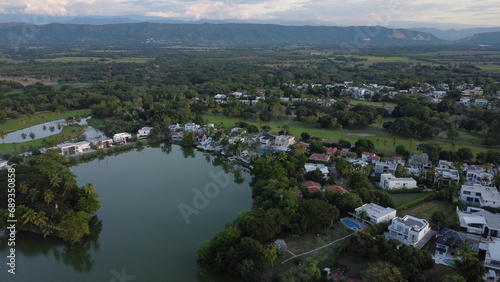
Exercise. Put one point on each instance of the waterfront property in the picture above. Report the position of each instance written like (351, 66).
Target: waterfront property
(480, 195)
(121, 137)
(144, 132)
(70, 149)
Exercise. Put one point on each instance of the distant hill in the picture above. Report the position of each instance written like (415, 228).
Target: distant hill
(212, 35)
(488, 38)
(100, 21)
(453, 34)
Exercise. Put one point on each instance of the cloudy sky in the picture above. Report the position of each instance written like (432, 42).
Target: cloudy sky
(327, 12)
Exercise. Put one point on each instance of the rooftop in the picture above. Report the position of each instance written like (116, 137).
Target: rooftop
(375, 210)
(412, 222)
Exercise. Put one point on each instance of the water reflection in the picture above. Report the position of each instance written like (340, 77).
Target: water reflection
(76, 255)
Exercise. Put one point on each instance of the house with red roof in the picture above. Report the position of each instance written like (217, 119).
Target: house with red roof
(330, 150)
(336, 188)
(319, 157)
(312, 186)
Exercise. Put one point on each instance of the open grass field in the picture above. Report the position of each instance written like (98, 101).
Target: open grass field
(68, 132)
(426, 209)
(13, 124)
(307, 242)
(376, 59)
(138, 60)
(491, 68)
(384, 141)
(401, 199)
(381, 104)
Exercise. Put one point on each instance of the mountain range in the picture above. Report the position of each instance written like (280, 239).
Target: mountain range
(121, 32)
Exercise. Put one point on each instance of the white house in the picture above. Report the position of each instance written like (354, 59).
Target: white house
(311, 167)
(144, 132)
(479, 221)
(492, 258)
(121, 137)
(191, 127)
(481, 102)
(104, 143)
(385, 167)
(446, 174)
(480, 195)
(220, 96)
(267, 139)
(478, 176)
(70, 149)
(409, 229)
(375, 213)
(284, 140)
(389, 182)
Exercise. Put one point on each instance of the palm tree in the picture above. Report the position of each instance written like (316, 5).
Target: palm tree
(23, 187)
(29, 216)
(23, 135)
(48, 196)
(33, 193)
(2, 135)
(89, 189)
(377, 140)
(32, 135)
(394, 140)
(40, 219)
(385, 143)
(411, 140)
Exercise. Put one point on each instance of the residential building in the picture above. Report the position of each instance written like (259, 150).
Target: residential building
(312, 186)
(311, 167)
(70, 149)
(367, 156)
(480, 195)
(374, 213)
(336, 188)
(121, 137)
(284, 140)
(267, 139)
(445, 164)
(191, 127)
(470, 92)
(104, 143)
(478, 175)
(396, 160)
(389, 182)
(481, 102)
(330, 150)
(409, 229)
(385, 167)
(177, 136)
(319, 157)
(479, 221)
(3, 164)
(446, 175)
(447, 242)
(144, 132)
(492, 258)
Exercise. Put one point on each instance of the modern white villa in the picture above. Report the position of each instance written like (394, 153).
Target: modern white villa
(479, 221)
(70, 149)
(389, 182)
(121, 137)
(409, 229)
(311, 167)
(144, 132)
(483, 196)
(374, 213)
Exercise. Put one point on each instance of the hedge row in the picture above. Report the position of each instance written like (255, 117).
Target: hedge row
(416, 202)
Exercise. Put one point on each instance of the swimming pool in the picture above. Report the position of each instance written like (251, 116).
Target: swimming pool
(449, 261)
(349, 223)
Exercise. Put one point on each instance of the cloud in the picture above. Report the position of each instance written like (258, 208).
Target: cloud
(328, 12)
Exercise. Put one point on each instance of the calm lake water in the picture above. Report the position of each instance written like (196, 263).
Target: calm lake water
(42, 130)
(139, 231)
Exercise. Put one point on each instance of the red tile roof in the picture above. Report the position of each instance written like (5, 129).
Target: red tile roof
(319, 157)
(368, 154)
(336, 188)
(312, 186)
(330, 150)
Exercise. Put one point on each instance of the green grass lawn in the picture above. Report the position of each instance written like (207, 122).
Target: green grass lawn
(426, 209)
(13, 124)
(381, 104)
(307, 242)
(401, 199)
(491, 68)
(68, 132)
(374, 133)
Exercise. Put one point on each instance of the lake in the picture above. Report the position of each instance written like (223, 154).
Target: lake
(140, 231)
